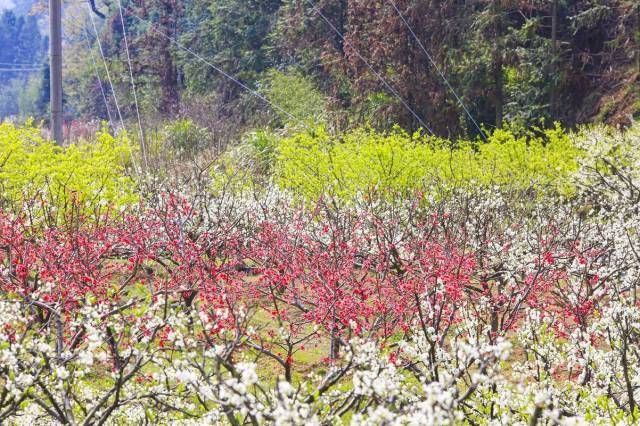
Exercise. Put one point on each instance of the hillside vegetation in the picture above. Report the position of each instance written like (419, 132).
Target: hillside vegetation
(522, 63)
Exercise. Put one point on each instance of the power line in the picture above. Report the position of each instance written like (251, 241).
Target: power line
(437, 69)
(106, 68)
(362, 58)
(216, 68)
(22, 69)
(83, 30)
(95, 70)
(55, 71)
(133, 87)
(23, 64)
(104, 62)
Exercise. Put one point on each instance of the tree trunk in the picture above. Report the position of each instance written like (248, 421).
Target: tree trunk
(334, 348)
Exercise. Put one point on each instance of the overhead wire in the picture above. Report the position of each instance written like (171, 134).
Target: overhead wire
(23, 64)
(78, 27)
(104, 62)
(376, 73)
(22, 69)
(133, 87)
(207, 62)
(433, 63)
(213, 66)
(95, 70)
(115, 97)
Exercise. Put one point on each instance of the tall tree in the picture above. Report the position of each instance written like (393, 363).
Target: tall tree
(152, 49)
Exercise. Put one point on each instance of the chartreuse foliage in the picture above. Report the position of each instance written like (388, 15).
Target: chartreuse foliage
(86, 175)
(367, 162)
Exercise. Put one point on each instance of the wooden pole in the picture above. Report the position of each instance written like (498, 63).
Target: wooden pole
(55, 68)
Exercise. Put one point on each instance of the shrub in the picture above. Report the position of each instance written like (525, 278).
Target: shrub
(363, 161)
(609, 170)
(184, 137)
(90, 174)
(295, 94)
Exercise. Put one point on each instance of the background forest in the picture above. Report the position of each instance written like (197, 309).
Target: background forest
(523, 62)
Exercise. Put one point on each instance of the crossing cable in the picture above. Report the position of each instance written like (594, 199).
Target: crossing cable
(95, 70)
(133, 87)
(213, 66)
(115, 97)
(362, 58)
(21, 66)
(433, 63)
(22, 69)
(106, 68)
(82, 29)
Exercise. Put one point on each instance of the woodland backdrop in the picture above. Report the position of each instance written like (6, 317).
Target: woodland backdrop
(572, 61)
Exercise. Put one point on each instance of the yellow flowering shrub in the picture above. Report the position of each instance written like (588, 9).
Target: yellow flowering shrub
(367, 162)
(90, 174)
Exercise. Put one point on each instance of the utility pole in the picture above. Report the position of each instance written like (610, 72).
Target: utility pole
(498, 55)
(554, 58)
(55, 68)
